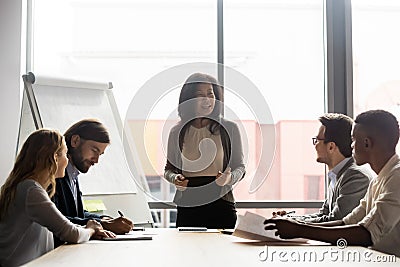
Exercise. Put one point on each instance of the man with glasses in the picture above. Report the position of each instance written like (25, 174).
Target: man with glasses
(347, 182)
(86, 141)
(375, 221)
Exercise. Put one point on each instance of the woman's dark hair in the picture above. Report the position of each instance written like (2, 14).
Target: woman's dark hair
(186, 109)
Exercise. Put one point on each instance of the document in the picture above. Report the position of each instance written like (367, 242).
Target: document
(128, 237)
(192, 229)
(197, 230)
(251, 226)
(132, 235)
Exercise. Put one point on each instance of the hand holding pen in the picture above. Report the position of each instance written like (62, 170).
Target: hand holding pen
(119, 225)
(134, 228)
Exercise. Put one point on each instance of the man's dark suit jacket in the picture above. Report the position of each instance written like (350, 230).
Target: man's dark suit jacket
(64, 200)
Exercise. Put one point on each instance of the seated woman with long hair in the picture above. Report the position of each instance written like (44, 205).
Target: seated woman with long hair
(28, 218)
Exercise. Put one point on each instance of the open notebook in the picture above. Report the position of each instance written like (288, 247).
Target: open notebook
(130, 236)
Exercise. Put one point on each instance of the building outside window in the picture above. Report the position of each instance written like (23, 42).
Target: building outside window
(128, 42)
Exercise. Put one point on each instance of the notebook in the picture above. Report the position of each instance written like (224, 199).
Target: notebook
(128, 237)
(192, 229)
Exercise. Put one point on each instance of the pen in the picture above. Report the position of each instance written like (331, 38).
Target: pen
(120, 213)
(290, 212)
(137, 229)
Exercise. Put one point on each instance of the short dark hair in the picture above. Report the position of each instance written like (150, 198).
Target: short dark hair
(88, 129)
(380, 124)
(338, 130)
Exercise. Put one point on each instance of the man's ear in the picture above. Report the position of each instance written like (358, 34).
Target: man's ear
(331, 146)
(75, 141)
(367, 143)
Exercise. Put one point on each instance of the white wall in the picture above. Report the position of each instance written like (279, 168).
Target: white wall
(10, 81)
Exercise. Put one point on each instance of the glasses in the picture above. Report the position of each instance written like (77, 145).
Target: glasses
(316, 139)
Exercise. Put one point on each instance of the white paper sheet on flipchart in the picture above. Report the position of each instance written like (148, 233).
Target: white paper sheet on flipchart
(61, 106)
(251, 226)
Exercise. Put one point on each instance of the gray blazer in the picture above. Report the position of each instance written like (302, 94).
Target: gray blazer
(351, 185)
(233, 157)
(25, 232)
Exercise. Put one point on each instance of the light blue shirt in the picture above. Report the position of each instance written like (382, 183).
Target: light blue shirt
(332, 175)
(73, 180)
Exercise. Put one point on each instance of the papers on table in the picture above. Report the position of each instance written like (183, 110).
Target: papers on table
(197, 230)
(135, 234)
(251, 226)
(192, 229)
(128, 237)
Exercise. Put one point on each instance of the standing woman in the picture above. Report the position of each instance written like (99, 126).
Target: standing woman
(27, 215)
(204, 158)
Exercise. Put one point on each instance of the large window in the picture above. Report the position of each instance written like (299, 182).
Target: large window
(376, 55)
(277, 44)
(283, 55)
(125, 42)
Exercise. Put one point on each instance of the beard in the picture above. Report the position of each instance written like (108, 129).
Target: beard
(79, 162)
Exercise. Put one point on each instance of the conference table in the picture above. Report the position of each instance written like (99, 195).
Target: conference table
(169, 247)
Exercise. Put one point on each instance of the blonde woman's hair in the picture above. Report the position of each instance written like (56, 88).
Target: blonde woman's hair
(36, 159)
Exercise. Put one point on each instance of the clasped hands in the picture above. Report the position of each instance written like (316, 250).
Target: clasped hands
(221, 179)
(278, 213)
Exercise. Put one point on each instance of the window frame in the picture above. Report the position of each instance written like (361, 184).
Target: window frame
(338, 77)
